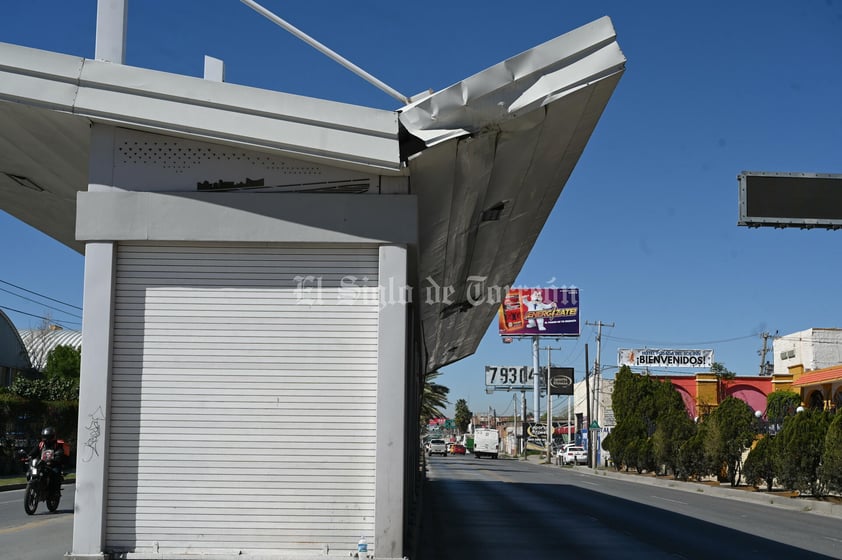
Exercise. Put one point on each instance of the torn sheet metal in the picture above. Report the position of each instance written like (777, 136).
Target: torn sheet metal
(518, 85)
(505, 139)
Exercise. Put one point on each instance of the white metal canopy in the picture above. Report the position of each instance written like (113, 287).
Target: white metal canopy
(487, 157)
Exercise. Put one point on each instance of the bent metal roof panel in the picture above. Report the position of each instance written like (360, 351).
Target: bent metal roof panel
(487, 157)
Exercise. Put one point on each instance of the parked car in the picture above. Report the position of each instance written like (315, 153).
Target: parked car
(563, 447)
(574, 455)
(457, 449)
(558, 448)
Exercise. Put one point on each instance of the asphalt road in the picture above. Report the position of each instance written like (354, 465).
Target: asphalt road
(43, 536)
(505, 509)
(508, 509)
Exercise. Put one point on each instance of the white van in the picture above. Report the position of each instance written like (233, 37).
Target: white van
(486, 442)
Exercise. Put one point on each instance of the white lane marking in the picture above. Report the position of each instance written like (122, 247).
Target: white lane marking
(13, 493)
(668, 500)
(834, 540)
(591, 483)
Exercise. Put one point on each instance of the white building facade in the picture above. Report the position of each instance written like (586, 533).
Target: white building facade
(810, 349)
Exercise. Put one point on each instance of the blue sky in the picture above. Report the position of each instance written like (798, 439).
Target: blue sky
(646, 226)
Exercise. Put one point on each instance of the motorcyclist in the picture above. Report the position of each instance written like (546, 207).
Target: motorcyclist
(49, 443)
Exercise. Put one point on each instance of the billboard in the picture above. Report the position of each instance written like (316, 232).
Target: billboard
(561, 380)
(802, 200)
(509, 378)
(540, 311)
(653, 357)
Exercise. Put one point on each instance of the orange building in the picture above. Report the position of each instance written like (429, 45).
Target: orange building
(703, 391)
(820, 389)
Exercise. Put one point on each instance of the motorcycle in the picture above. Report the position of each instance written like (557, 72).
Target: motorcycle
(38, 484)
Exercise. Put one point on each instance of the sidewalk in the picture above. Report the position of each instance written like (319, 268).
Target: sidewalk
(743, 493)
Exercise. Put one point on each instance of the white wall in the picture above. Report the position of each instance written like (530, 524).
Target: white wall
(814, 348)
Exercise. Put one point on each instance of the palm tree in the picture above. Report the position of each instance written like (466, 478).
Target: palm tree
(433, 398)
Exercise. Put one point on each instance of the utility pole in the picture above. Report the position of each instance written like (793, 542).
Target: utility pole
(523, 423)
(597, 381)
(549, 350)
(588, 406)
(536, 380)
(514, 418)
(765, 336)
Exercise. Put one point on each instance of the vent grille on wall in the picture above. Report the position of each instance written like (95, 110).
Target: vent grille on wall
(785, 355)
(155, 163)
(177, 156)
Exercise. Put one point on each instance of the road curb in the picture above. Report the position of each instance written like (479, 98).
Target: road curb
(803, 504)
(8, 487)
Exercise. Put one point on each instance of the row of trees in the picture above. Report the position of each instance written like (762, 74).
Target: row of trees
(654, 433)
(49, 399)
(806, 455)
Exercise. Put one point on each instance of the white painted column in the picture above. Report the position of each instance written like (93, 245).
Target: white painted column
(391, 403)
(94, 397)
(111, 23)
(95, 379)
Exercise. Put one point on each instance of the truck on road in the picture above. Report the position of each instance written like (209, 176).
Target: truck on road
(486, 443)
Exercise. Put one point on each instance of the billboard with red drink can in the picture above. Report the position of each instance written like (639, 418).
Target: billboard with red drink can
(540, 311)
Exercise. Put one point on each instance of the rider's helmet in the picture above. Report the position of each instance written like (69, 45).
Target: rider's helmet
(48, 434)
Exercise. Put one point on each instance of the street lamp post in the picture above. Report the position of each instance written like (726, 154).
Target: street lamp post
(761, 425)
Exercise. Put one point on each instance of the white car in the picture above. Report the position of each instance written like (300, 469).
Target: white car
(437, 447)
(573, 455)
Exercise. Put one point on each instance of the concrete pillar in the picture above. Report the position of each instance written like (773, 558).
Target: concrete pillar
(391, 403)
(94, 398)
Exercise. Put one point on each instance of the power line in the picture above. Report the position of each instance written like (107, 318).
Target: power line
(41, 296)
(59, 323)
(507, 409)
(40, 303)
(650, 342)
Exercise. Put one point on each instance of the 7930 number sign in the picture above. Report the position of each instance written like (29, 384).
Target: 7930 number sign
(509, 378)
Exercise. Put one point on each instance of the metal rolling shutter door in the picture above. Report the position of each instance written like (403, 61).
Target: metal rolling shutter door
(243, 398)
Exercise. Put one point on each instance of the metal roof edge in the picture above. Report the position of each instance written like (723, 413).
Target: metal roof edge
(518, 84)
(361, 137)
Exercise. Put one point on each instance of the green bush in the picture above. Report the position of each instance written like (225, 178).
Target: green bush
(760, 463)
(46, 389)
(691, 458)
(830, 471)
(800, 446)
(730, 430)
